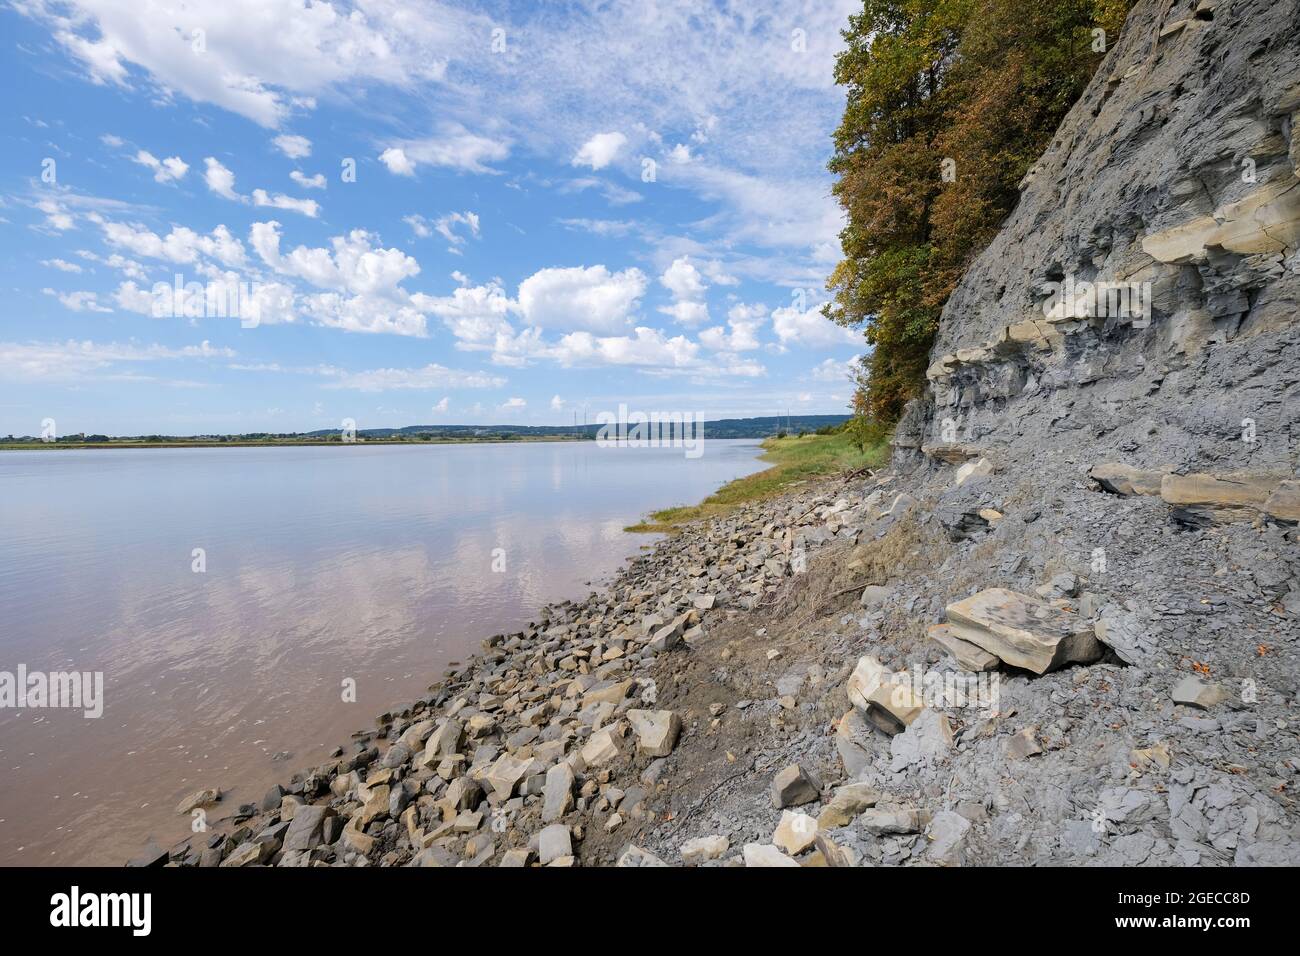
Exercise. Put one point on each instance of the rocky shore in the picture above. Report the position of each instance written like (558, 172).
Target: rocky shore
(868, 672)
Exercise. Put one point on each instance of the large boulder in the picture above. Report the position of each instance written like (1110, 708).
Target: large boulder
(415, 735)
(601, 748)
(795, 832)
(397, 755)
(444, 741)
(884, 821)
(252, 853)
(375, 806)
(638, 856)
(611, 693)
(1024, 631)
(669, 636)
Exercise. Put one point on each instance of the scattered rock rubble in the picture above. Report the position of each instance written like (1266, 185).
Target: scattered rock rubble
(635, 729)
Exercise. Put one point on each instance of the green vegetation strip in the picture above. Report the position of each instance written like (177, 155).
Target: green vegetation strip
(794, 459)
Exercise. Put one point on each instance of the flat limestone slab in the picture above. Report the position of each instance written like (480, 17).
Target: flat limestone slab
(952, 452)
(1265, 221)
(1284, 502)
(1126, 480)
(1250, 491)
(973, 469)
(1024, 631)
(970, 656)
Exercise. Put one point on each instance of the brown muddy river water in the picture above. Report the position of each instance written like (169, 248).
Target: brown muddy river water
(318, 565)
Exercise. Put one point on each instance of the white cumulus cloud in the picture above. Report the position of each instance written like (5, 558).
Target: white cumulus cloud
(584, 298)
(78, 301)
(599, 151)
(293, 146)
(398, 163)
(308, 182)
(454, 147)
(61, 264)
(308, 207)
(220, 179)
(645, 347)
(181, 244)
(687, 287)
(811, 329)
(446, 225)
(167, 170)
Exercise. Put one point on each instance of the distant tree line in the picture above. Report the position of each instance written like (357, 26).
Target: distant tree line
(723, 428)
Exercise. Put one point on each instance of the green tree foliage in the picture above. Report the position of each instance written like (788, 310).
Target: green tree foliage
(971, 88)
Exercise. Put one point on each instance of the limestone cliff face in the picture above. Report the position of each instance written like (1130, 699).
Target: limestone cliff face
(1173, 189)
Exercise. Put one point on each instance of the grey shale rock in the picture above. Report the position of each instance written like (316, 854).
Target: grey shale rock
(553, 843)
(947, 832)
(305, 831)
(1192, 692)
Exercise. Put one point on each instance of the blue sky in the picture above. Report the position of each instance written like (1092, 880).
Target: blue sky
(555, 207)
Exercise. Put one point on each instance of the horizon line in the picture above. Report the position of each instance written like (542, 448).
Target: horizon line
(573, 427)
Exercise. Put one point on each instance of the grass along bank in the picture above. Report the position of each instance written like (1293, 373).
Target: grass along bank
(794, 459)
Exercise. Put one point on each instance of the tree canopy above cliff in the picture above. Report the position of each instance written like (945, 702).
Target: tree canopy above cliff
(949, 104)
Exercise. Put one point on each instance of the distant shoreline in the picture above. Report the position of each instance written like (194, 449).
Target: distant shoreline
(285, 443)
(724, 428)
